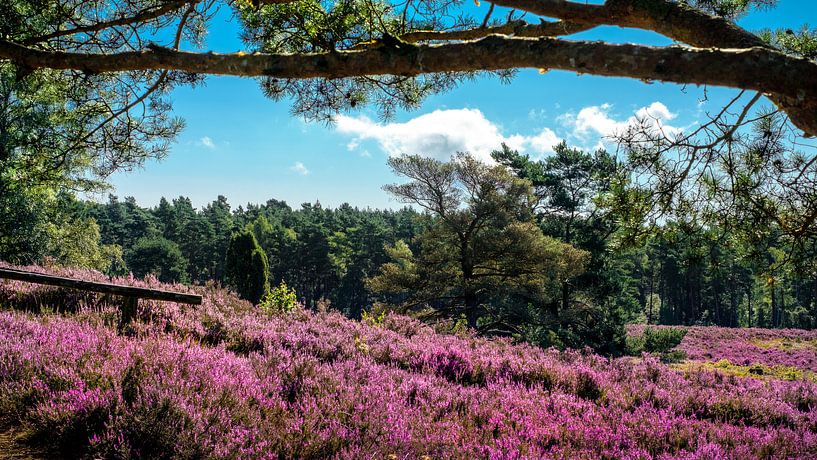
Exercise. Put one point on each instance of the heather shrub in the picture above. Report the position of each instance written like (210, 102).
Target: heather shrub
(403, 325)
(70, 420)
(587, 387)
(222, 381)
(161, 430)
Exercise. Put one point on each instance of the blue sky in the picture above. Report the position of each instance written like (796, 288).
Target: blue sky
(239, 144)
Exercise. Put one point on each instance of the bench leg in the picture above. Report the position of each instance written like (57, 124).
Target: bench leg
(129, 310)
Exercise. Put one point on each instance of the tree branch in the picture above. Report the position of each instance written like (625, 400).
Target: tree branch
(518, 28)
(135, 19)
(758, 69)
(674, 20)
(515, 28)
(138, 18)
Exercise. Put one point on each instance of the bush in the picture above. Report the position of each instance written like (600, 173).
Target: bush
(658, 340)
(160, 257)
(281, 299)
(662, 340)
(674, 356)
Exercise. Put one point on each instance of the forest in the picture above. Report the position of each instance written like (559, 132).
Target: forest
(679, 271)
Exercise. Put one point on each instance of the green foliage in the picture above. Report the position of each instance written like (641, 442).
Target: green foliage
(482, 256)
(159, 257)
(76, 244)
(58, 133)
(573, 189)
(657, 340)
(730, 9)
(24, 216)
(312, 26)
(802, 42)
(280, 299)
(673, 356)
(373, 319)
(37, 225)
(246, 267)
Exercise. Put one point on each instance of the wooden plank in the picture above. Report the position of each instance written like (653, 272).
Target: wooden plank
(105, 288)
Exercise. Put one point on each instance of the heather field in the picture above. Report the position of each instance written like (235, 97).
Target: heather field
(225, 380)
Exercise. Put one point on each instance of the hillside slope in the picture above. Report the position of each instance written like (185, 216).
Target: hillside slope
(226, 381)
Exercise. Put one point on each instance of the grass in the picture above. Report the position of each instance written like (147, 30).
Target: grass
(755, 371)
(786, 343)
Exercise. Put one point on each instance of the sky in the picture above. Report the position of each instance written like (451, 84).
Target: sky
(239, 144)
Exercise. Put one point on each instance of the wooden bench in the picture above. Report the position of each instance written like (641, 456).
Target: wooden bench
(130, 294)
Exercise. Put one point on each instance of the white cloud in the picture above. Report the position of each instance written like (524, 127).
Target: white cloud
(299, 168)
(441, 133)
(537, 115)
(656, 110)
(207, 142)
(544, 141)
(597, 120)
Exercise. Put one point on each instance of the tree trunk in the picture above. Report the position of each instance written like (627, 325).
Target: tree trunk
(733, 300)
(469, 296)
(814, 303)
(718, 316)
(652, 282)
(749, 298)
(471, 308)
(565, 296)
(782, 309)
(774, 306)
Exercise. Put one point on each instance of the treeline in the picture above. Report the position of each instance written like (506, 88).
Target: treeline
(684, 274)
(691, 274)
(323, 254)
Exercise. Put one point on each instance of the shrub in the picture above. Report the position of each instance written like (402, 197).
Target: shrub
(660, 341)
(281, 299)
(160, 257)
(673, 356)
(373, 319)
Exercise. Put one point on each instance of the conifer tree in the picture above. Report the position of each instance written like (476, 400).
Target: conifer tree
(246, 267)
